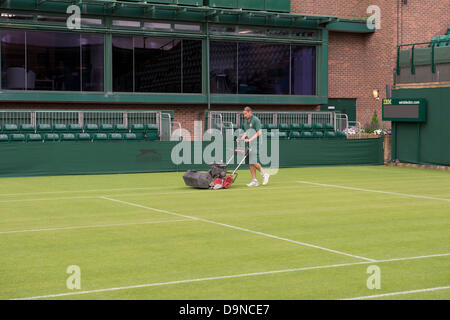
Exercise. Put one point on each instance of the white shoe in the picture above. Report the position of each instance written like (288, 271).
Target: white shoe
(266, 179)
(253, 184)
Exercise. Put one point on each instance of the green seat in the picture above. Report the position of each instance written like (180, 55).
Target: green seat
(330, 134)
(306, 127)
(151, 127)
(317, 127)
(26, 128)
(270, 127)
(51, 137)
(67, 137)
(91, 127)
(328, 127)
(130, 136)
(306, 134)
(100, 136)
(152, 135)
(106, 127)
(83, 136)
(340, 134)
(75, 128)
(4, 138)
(17, 137)
(152, 132)
(120, 128)
(10, 128)
(34, 137)
(137, 127)
(283, 135)
(294, 135)
(317, 134)
(59, 128)
(229, 125)
(295, 127)
(115, 136)
(283, 127)
(43, 127)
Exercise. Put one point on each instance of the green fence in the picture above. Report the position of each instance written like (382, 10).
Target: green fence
(63, 158)
(425, 143)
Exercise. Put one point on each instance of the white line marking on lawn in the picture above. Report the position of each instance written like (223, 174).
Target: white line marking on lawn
(94, 226)
(398, 293)
(81, 191)
(146, 194)
(241, 229)
(101, 190)
(48, 199)
(374, 191)
(224, 277)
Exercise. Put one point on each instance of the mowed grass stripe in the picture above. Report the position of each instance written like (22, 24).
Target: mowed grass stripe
(229, 277)
(36, 263)
(67, 214)
(94, 226)
(242, 229)
(373, 191)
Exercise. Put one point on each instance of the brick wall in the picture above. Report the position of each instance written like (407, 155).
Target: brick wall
(361, 63)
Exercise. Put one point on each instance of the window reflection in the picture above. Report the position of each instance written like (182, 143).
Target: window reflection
(263, 68)
(53, 61)
(13, 60)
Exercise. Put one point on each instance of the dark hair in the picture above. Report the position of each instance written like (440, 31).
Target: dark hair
(248, 109)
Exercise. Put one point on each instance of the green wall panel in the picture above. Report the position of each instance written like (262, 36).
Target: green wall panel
(65, 158)
(277, 5)
(268, 5)
(427, 142)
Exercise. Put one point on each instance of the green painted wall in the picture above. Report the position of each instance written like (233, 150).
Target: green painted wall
(429, 142)
(63, 158)
(347, 106)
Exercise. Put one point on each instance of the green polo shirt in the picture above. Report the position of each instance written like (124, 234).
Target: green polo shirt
(253, 123)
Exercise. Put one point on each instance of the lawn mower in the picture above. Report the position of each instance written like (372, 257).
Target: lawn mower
(217, 177)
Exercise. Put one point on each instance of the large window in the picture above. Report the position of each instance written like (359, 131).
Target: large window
(261, 68)
(52, 61)
(142, 64)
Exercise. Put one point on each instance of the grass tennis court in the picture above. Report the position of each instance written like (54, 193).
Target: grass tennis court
(310, 234)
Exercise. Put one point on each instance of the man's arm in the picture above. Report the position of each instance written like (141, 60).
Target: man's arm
(242, 137)
(255, 136)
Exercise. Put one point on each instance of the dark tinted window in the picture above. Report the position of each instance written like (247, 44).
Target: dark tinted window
(13, 59)
(53, 61)
(263, 68)
(157, 65)
(303, 70)
(223, 67)
(192, 66)
(123, 66)
(92, 62)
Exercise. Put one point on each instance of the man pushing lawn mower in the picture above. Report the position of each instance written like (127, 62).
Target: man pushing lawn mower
(218, 176)
(251, 125)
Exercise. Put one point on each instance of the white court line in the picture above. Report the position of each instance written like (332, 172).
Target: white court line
(225, 277)
(81, 191)
(398, 293)
(93, 226)
(149, 194)
(375, 191)
(102, 190)
(239, 228)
